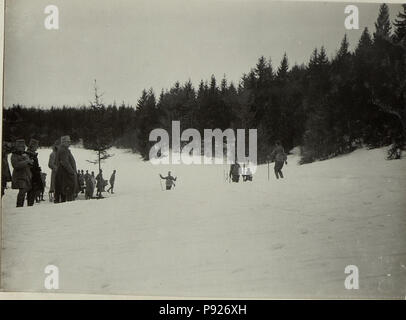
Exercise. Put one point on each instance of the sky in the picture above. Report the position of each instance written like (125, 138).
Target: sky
(131, 45)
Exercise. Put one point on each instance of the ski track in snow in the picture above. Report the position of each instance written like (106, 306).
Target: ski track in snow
(289, 238)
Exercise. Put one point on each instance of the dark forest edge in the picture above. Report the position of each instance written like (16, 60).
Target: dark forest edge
(327, 107)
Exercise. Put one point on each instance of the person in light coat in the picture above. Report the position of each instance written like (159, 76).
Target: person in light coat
(66, 182)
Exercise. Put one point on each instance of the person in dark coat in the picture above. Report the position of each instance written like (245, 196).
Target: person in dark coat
(112, 180)
(66, 182)
(99, 184)
(83, 182)
(36, 179)
(87, 175)
(89, 186)
(279, 156)
(5, 169)
(53, 167)
(235, 172)
(170, 181)
(21, 177)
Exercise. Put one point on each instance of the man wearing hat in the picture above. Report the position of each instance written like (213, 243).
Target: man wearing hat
(21, 177)
(66, 181)
(36, 180)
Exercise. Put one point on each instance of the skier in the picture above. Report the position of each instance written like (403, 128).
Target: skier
(279, 156)
(112, 179)
(169, 180)
(235, 172)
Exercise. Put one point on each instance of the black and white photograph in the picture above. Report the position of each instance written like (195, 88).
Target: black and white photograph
(219, 149)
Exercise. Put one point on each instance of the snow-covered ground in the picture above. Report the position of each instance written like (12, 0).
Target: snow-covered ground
(209, 238)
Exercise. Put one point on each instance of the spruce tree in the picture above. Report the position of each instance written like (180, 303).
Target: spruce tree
(147, 119)
(364, 43)
(100, 134)
(400, 26)
(283, 68)
(343, 51)
(383, 24)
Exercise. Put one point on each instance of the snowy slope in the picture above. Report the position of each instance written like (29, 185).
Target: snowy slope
(286, 238)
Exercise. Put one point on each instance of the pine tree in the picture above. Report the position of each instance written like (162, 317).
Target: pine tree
(400, 26)
(364, 43)
(313, 59)
(283, 68)
(383, 24)
(223, 85)
(147, 119)
(343, 51)
(322, 57)
(100, 132)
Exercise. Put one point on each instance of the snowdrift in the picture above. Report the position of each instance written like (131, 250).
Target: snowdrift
(210, 238)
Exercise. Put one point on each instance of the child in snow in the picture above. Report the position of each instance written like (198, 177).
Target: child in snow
(40, 195)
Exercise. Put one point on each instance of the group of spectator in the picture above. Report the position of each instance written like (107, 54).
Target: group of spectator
(66, 181)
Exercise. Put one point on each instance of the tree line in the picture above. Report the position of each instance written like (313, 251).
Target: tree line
(328, 106)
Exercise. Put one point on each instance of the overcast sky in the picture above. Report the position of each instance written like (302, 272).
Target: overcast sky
(129, 45)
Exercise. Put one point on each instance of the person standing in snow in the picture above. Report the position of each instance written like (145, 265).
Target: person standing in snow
(82, 187)
(234, 174)
(5, 169)
(279, 156)
(170, 181)
(66, 182)
(53, 167)
(36, 179)
(112, 179)
(87, 175)
(40, 196)
(21, 177)
(248, 175)
(89, 186)
(81, 181)
(99, 184)
(92, 184)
